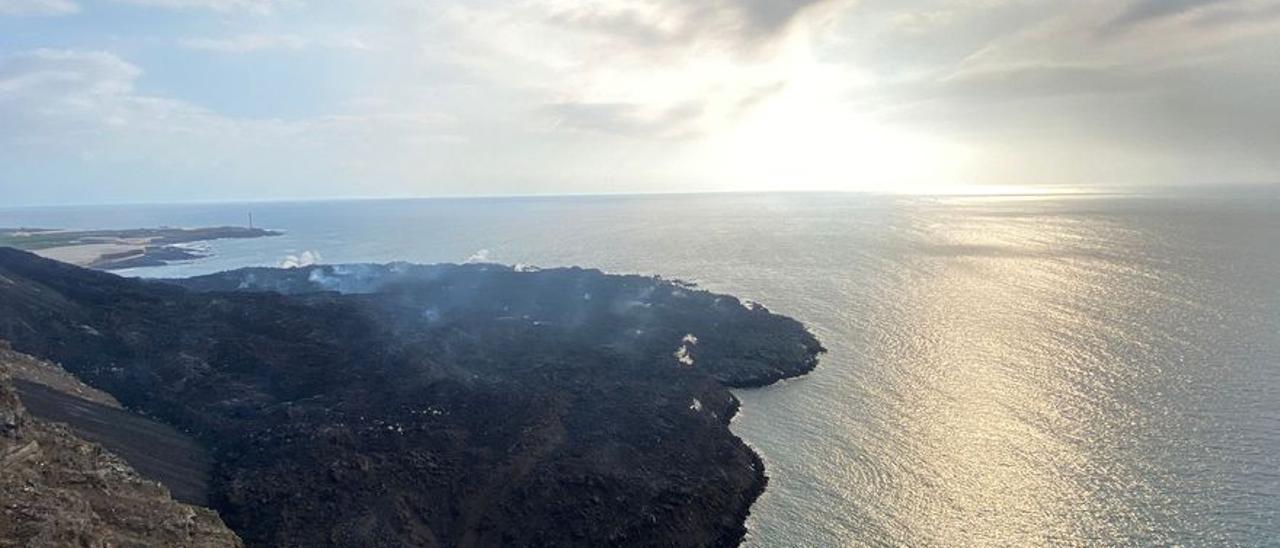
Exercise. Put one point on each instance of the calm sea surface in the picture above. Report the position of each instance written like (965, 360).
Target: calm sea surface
(1085, 370)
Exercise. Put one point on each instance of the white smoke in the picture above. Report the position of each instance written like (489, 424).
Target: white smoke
(323, 279)
(304, 259)
(350, 278)
(684, 354)
(481, 256)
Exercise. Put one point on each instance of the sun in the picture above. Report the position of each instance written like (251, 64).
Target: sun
(810, 137)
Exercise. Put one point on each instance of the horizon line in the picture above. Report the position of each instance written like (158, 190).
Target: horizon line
(960, 191)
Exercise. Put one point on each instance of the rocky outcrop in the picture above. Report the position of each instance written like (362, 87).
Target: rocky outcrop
(59, 490)
(155, 450)
(22, 367)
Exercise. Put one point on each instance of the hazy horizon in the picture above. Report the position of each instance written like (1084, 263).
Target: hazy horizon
(1270, 190)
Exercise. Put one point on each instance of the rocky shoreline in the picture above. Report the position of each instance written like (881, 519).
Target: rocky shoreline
(441, 405)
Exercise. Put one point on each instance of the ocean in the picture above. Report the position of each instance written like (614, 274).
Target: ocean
(1097, 369)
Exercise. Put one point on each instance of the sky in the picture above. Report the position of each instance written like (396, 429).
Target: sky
(107, 101)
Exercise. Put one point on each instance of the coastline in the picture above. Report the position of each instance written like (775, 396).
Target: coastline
(691, 473)
(371, 278)
(125, 248)
(762, 476)
(761, 481)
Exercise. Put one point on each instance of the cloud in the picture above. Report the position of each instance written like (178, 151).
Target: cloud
(76, 117)
(664, 23)
(1239, 14)
(60, 85)
(38, 7)
(629, 119)
(245, 43)
(61, 93)
(1054, 92)
(527, 96)
(674, 70)
(691, 118)
(254, 6)
(768, 16)
(1142, 11)
(1030, 81)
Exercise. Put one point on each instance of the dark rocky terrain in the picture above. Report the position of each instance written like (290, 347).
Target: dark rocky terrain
(57, 489)
(394, 405)
(155, 450)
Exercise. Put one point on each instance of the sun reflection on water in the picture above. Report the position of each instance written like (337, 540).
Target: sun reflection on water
(1023, 372)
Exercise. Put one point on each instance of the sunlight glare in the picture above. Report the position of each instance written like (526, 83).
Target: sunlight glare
(806, 137)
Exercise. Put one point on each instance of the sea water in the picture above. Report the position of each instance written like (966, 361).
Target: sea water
(1003, 370)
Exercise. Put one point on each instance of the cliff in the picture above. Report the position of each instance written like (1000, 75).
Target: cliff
(57, 489)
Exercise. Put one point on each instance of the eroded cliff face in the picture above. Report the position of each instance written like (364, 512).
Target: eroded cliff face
(22, 367)
(59, 490)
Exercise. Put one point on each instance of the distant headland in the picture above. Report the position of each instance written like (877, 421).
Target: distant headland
(123, 249)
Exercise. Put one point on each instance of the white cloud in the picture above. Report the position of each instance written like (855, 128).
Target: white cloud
(1083, 92)
(62, 93)
(657, 23)
(245, 43)
(674, 69)
(58, 85)
(82, 108)
(521, 96)
(38, 7)
(254, 6)
(278, 41)
(1143, 11)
